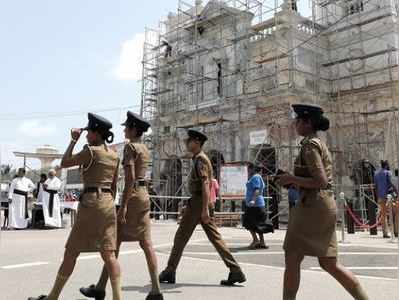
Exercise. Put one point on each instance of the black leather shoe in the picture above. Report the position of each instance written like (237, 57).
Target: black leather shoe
(92, 292)
(42, 297)
(386, 236)
(234, 277)
(154, 297)
(167, 277)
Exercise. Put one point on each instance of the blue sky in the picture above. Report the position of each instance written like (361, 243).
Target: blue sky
(59, 56)
(62, 56)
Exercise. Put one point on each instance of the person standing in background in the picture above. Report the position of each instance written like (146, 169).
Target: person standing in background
(51, 201)
(255, 215)
(18, 199)
(6, 206)
(384, 186)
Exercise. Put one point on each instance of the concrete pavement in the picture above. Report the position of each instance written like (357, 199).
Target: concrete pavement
(29, 261)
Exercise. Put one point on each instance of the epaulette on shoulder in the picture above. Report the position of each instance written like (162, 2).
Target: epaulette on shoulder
(131, 147)
(313, 142)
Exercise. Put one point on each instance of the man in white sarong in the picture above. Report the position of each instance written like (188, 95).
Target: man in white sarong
(51, 200)
(18, 199)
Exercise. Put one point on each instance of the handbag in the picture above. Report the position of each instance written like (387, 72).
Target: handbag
(266, 227)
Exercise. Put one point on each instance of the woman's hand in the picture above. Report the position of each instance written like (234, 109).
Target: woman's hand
(285, 179)
(122, 214)
(75, 133)
(205, 218)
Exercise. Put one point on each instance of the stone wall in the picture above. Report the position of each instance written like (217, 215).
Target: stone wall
(230, 79)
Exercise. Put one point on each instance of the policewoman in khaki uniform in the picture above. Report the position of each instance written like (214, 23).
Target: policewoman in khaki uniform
(95, 226)
(312, 223)
(134, 214)
(197, 212)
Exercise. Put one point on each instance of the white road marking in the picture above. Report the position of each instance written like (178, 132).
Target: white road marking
(368, 253)
(362, 268)
(33, 264)
(254, 252)
(236, 243)
(350, 244)
(387, 246)
(257, 252)
(86, 257)
(127, 252)
(281, 268)
(202, 241)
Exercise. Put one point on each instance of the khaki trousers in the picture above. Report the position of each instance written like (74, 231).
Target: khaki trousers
(191, 218)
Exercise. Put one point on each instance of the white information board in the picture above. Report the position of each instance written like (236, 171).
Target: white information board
(258, 137)
(233, 179)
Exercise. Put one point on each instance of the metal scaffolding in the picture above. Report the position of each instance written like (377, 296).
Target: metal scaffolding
(229, 67)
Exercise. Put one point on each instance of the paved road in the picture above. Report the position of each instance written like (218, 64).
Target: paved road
(362, 260)
(29, 262)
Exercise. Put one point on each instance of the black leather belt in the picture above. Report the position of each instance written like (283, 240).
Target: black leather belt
(95, 190)
(141, 183)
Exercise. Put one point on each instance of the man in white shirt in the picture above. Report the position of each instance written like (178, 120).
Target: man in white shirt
(51, 200)
(18, 198)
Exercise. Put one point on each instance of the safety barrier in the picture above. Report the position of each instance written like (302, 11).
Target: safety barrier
(391, 203)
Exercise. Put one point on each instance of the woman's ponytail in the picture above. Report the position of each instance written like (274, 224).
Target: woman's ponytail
(110, 138)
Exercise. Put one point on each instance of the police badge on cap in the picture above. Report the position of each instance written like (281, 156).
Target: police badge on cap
(134, 120)
(196, 135)
(101, 125)
(314, 113)
(97, 122)
(307, 110)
